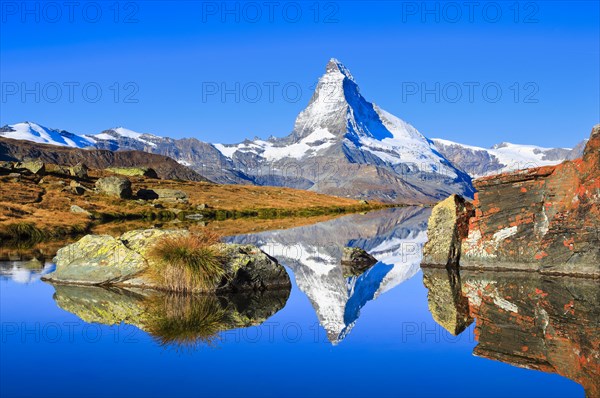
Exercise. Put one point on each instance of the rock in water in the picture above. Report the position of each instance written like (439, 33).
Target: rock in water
(252, 269)
(115, 186)
(545, 218)
(355, 261)
(96, 259)
(448, 226)
(104, 260)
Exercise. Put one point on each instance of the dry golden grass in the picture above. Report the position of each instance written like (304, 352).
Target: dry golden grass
(46, 204)
(187, 263)
(240, 197)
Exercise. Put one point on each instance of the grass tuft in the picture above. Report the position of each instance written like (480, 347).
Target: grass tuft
(188, 263)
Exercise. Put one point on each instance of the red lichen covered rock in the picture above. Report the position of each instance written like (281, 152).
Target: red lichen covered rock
(545, 218)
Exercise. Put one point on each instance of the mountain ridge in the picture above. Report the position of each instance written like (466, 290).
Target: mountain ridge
(341, 144)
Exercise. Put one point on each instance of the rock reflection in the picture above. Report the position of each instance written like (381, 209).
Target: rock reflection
(393, 236)
(546, 323)
(174, 320)
(447, 303)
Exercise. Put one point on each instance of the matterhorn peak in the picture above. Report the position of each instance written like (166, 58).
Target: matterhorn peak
(335, 66)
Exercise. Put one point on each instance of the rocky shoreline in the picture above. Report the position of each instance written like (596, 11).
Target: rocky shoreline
(545, 220)
(102, 260)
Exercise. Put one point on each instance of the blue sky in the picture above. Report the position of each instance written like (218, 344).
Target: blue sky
(437, 65)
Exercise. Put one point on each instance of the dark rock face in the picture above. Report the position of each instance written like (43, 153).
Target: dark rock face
(541, 322)
(201, 157)
(115, 186)
(167, 168)
(546, 218)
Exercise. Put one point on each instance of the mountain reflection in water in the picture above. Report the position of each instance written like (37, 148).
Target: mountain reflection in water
(393, 236)
(547, 323)
(528, 320)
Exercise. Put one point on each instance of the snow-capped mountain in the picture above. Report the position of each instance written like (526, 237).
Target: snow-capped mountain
(341, 144)
(395, 237)
(503, 157)
(33, 132)
(344, 145)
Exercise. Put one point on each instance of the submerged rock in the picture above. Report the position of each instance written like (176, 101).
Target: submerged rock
(125, 261)
(115, 186)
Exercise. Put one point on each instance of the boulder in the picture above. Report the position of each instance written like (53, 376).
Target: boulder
(115, 186)
(249, 268)
(545, 219)
(35, 166)
(80, 170)
(141, 240)
(163, 195)
(448, 225)
(6, 167)
(96, 259)
(79, 210)
(104, 260)
(356, 261)
(134, 171)
(77, 188)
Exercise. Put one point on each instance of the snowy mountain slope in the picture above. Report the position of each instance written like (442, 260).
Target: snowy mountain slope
(344, 145)
(341, 144)
(33, 132)
(500, 158)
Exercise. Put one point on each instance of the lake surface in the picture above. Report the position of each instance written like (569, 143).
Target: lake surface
(389, 331)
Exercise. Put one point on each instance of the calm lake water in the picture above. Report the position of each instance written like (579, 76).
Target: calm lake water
(388, 331)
